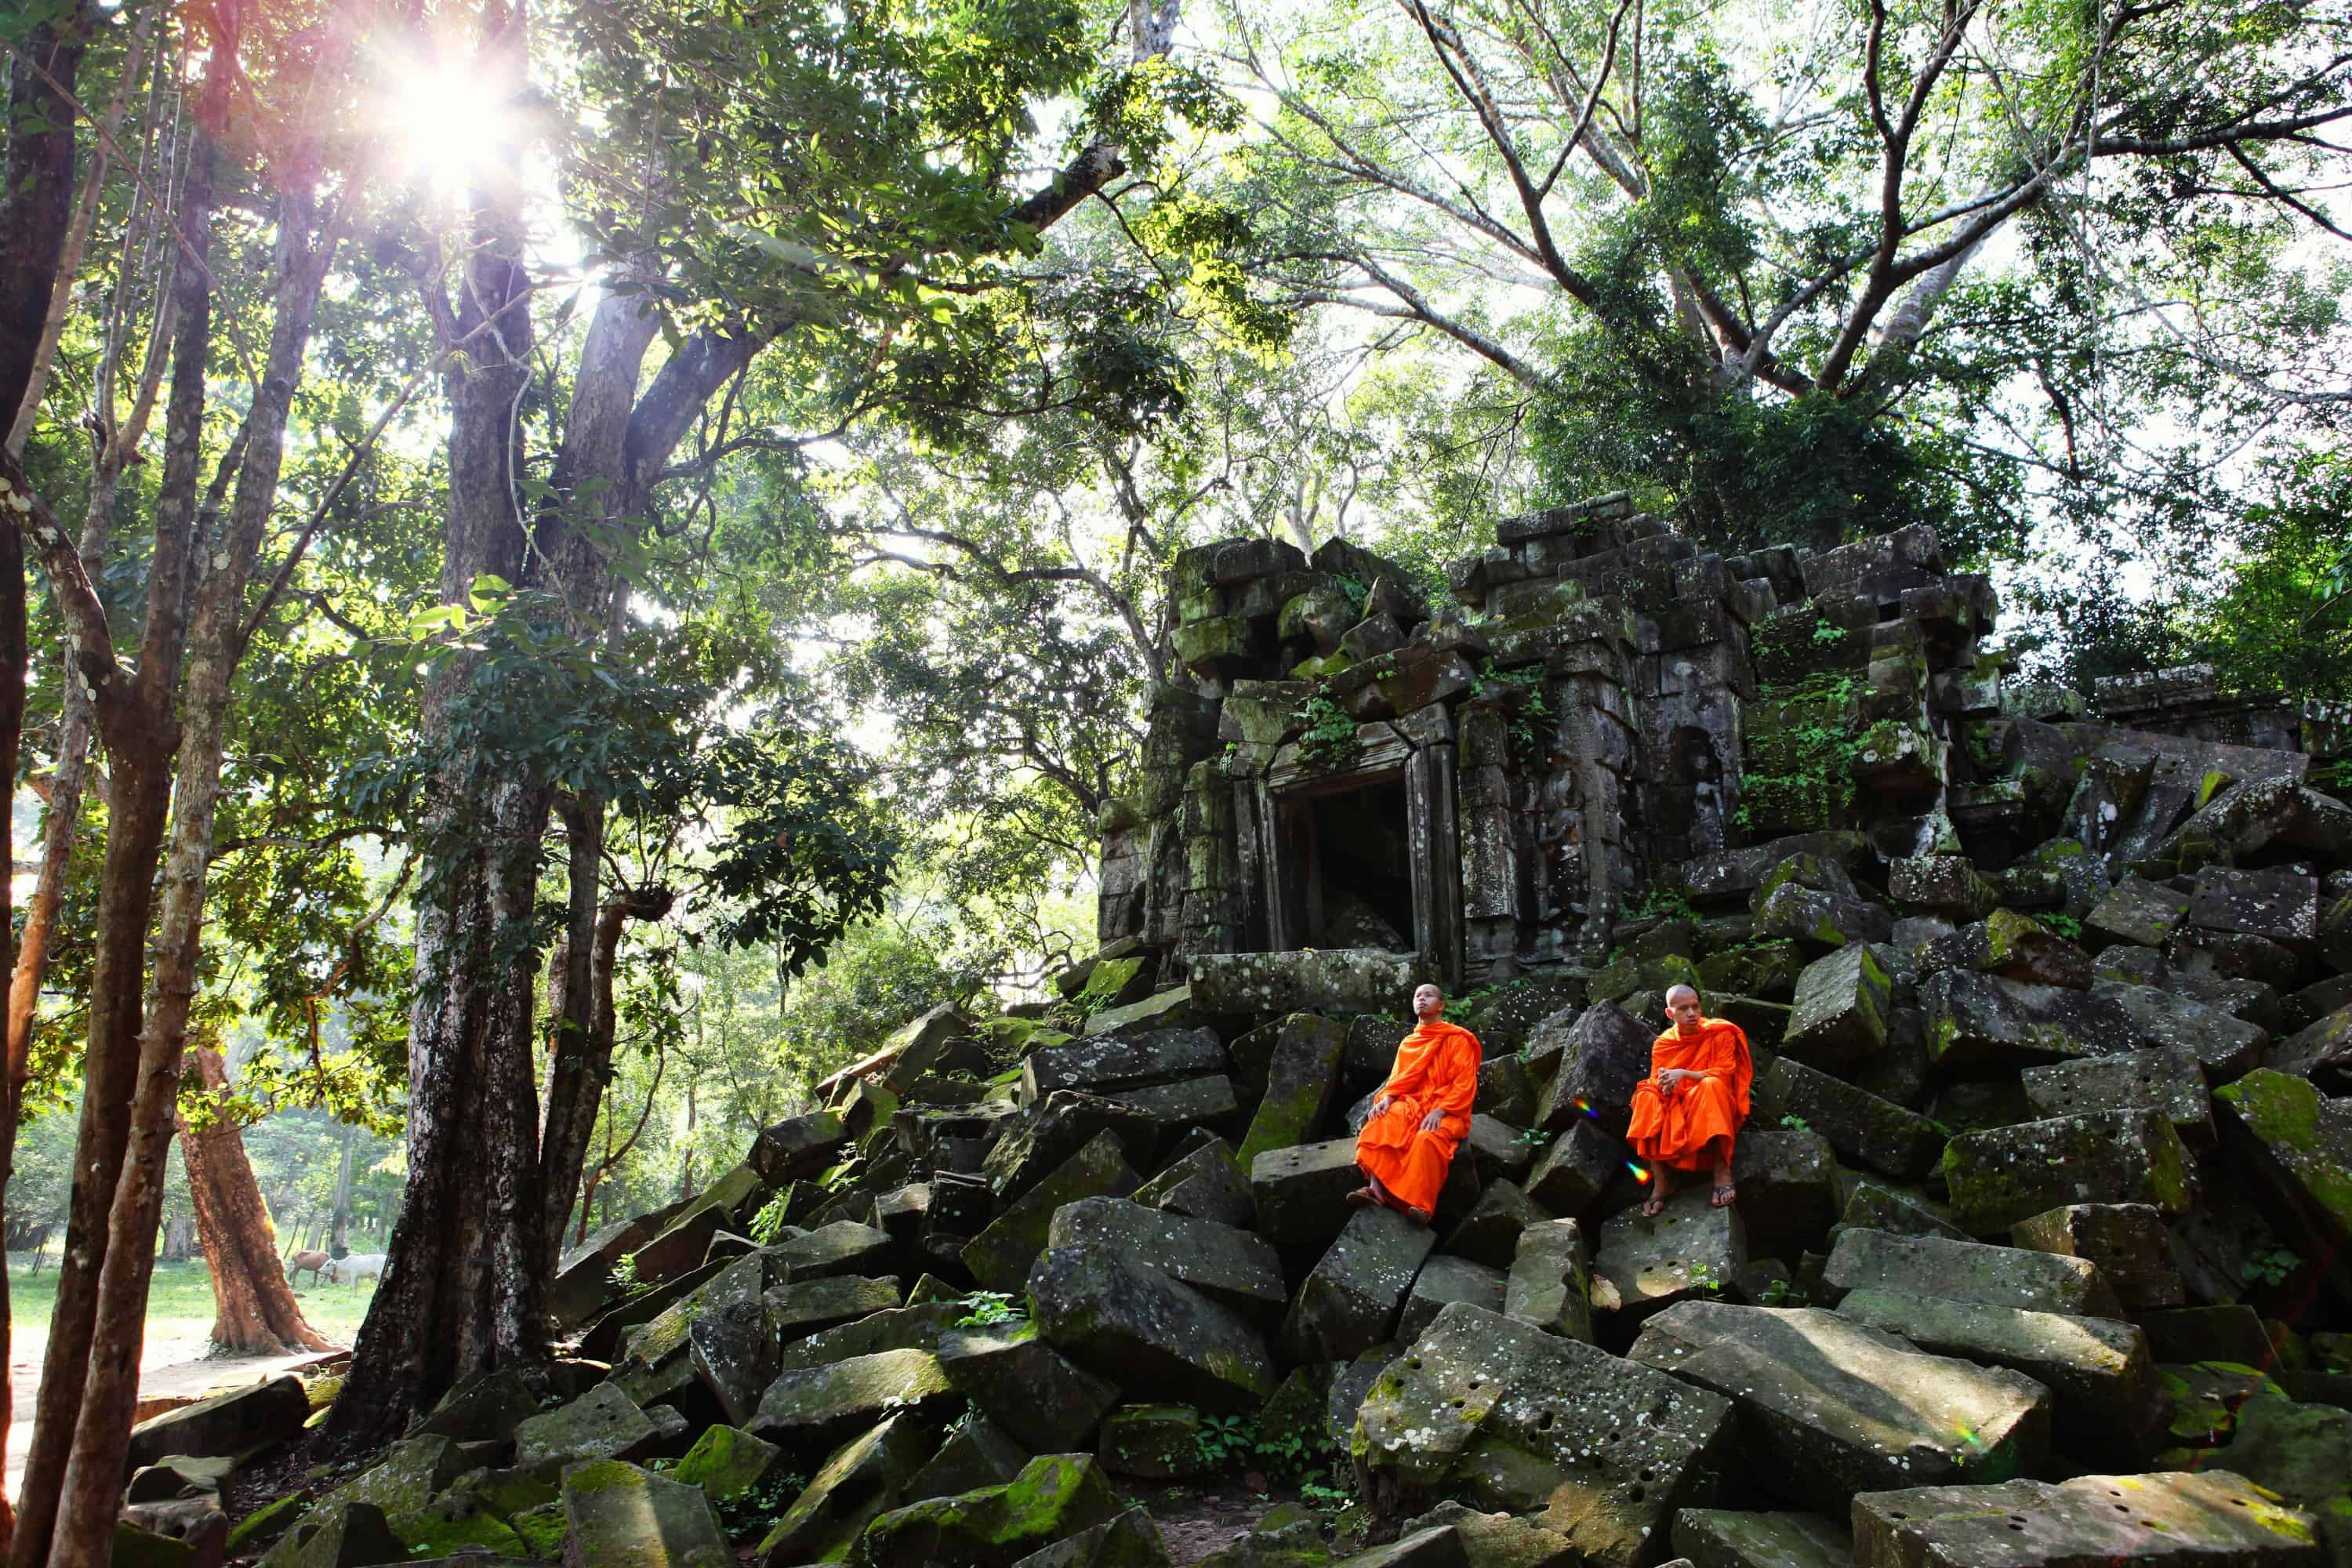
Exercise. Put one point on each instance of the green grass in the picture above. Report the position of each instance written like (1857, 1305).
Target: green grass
(180, 1303)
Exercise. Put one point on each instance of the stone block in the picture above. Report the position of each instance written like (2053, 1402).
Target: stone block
(1351, 1299)
(1500, 1540)
(806, 1307)
(1157, 1338)
(1714, 1537)
(602, 1424)
(734, 1352)
(1099, 1065)
(810, 1410)
(865, 1477)
(725, 1462)
(2299, 1142)
(1172, 1008)
(1301, 1192)
(1581, 1163)
(1830, 1408)
(1444, 1281)
(2004, 1174)
(1027, 1387)
(1551, 1283)
(843, 1247)
(1983, 1023)
(1490, 1233)
(1603, 1055)
(237, 1422)
(1880, 1135)
(2127, 1242)
(2279, 906)
(2137, 912)
(1840, 1013)
(1234, 1266)
(1968, 1271)
(1788, 1189)
(2227, 1046)
(2209, 1519)
(916, 1328)
(1503, 1416)
(1130, 1540)
(1301, 1074)
(1945, 885)
(798, 1146)
(1204, 1184)
(2013, 947)
(1339, 980)
(1691, 1248)
(2099, 1371)
(1000, 1257)
(977, 1452)
(614, 1512)
(1055, 1497)
(1152, 1442)
(2171, 1082)
(1875, 1205)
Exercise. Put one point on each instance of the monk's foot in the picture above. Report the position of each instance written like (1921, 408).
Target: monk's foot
(1658, 1204)
(1724, 1195)
(1364, 1197)
(1418, 1217)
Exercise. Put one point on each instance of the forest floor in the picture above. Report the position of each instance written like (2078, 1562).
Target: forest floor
(176, 1360)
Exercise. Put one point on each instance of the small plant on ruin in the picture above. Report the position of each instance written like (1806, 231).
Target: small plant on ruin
(769, 1223)
(1225, 1440)
(2064, 925)
(2272, 1268)
(988, 1307)
(1329, 738)
(1779, 1293)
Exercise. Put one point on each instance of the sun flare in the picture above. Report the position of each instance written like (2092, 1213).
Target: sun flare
(447, 126)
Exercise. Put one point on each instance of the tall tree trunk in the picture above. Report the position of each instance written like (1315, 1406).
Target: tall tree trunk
(93, 1478)
(254, 1312)
(463, 1279)
(578, 1073)
(136, 720)
(35, 207)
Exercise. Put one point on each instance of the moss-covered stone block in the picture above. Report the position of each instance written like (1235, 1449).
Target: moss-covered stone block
(2003, 1175)
(1152, 1442)
(618, 1516)
(1055, 1497)
(725, 1462)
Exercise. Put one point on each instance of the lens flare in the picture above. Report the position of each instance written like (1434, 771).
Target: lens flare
(1586, 1106)
(1641, 1174)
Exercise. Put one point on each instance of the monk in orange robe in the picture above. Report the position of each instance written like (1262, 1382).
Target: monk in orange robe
(1687, 1113)
(1422, 1113)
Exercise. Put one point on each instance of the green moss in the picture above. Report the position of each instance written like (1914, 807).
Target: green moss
(542, 1528)
(263, 1525)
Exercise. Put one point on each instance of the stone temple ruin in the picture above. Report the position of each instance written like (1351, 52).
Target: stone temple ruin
(1618, 716)
(2038, 1257)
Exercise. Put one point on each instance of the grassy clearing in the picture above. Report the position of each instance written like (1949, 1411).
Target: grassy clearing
(180, 1305)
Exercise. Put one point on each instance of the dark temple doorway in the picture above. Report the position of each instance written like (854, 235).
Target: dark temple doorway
(1357, 867)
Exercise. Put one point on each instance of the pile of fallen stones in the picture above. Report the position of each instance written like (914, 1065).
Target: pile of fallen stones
(2037, 1259)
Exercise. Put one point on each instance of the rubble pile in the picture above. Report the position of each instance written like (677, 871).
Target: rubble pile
(2038, 1257)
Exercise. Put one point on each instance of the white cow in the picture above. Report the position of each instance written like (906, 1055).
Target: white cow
(359, 1266)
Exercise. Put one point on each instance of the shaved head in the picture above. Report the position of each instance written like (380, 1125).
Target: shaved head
(1673, 992)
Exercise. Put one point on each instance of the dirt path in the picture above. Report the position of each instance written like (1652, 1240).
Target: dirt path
(173, 1365)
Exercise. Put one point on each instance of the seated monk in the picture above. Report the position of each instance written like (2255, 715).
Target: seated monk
(1687, 1114)
(1423, 1111)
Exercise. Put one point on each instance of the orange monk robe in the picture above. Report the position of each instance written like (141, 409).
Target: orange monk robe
(1681, 1128)
(1436, 1070)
